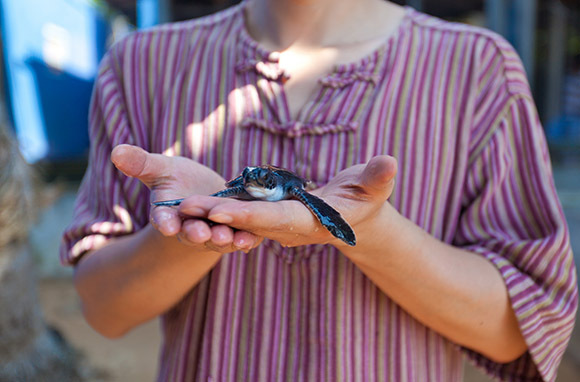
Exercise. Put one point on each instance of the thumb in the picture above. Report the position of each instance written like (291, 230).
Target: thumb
(378, 176)
(135, 162)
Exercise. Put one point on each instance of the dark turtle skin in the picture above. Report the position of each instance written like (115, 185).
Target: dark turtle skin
(272, 184)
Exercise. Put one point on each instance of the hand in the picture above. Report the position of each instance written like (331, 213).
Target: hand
(177, 177)
(359, 193)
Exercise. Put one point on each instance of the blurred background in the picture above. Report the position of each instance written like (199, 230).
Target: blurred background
(50, 51)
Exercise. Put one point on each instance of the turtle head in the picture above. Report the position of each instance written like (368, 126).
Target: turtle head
(263, 183)
(259, 177)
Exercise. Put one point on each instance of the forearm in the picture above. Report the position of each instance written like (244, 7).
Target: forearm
(455, 292)
(135, 278)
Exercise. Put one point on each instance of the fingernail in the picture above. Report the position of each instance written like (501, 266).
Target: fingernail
(221, 218)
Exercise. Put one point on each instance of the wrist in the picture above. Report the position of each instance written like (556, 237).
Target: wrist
(386, 234)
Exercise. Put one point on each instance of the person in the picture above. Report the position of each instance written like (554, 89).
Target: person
(422, 133)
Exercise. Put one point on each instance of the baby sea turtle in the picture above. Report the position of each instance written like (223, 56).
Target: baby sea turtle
(272, 184)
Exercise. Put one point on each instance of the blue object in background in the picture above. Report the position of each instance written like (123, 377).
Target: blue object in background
(152, 12)
(147, 13)
(51, 51)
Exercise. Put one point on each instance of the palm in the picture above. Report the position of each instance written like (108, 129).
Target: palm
(178, 177)
(357, 193)
(350, 196)
(186, 178)
(166, 177)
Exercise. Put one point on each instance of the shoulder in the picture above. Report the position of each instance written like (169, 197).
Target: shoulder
(491, 56)
(210, 22)
(176, 38)
(455, 30)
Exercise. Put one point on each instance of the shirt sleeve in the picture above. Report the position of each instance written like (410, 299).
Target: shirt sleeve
(108, 204)
(512, 216)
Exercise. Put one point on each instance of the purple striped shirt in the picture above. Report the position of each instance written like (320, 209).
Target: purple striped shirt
(449, 101)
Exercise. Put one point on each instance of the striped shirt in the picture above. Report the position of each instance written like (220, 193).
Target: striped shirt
(449, 101)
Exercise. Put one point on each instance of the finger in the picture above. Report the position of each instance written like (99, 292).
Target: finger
(222, 235)
(221, 249)
(135, 162)
(196, 231)
(259, 217)
(166, 220)
(217, 238)
(200, 205)
(245, 240)
(379, 174)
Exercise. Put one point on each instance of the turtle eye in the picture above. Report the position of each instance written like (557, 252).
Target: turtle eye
(262, 175)
(264, 178)
(268, 181)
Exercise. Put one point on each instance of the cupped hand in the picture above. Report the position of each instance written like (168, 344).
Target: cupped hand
(359, 193)
(178, 177)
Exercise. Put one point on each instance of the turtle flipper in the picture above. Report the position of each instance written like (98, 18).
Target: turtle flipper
(328, 216)
(238, 192)
(172, 202)
(239, 181)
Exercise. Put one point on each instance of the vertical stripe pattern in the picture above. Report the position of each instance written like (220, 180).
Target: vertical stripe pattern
(449, 101)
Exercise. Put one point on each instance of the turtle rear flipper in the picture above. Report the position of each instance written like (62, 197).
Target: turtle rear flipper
(328, 216)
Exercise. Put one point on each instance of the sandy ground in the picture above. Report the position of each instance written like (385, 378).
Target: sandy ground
(133, 358)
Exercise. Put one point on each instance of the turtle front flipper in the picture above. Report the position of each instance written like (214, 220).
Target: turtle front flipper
(328, 216)
(238, 192)
(239, 181)
(172, 202)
